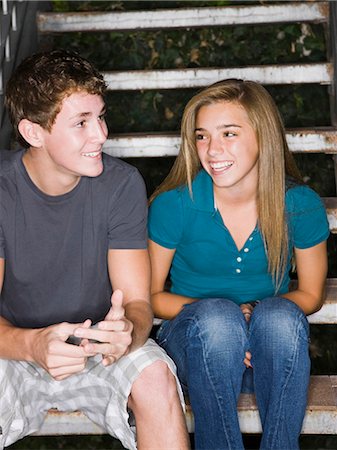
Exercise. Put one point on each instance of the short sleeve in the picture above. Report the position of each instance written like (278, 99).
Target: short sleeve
(166, 219)
(127, 228)
(307, 217)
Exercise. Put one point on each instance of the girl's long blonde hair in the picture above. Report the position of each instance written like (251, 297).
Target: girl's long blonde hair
(275, 161)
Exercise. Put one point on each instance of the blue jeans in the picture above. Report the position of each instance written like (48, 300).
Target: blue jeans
(208, 340)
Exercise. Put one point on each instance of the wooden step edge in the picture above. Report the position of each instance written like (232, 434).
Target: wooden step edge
(135, 145)
(297, 73)
(182, 17)
(76, 423)
(319, 419)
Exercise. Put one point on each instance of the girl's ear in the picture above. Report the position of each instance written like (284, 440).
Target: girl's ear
(31, 132)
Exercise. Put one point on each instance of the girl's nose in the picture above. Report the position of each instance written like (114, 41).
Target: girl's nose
(214, 147)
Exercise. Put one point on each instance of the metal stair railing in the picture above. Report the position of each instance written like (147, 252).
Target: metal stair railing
(18, 39)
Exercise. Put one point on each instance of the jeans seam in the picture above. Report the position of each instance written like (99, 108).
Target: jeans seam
(210, 379)
(286, 383)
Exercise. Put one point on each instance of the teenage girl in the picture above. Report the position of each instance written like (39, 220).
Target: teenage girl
(227, 224)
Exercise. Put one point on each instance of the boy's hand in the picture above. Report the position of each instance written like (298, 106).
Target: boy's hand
(114, 333)
(52, 352)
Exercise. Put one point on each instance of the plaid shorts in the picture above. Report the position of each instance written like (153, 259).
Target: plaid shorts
(27, 392)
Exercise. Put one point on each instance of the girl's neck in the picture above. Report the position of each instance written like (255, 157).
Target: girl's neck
(235, 197)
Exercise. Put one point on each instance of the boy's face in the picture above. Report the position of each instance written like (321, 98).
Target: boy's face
(74, 145)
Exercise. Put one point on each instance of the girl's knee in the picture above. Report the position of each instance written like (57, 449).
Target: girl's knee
(215, 312)
(217, 323)
(279, 318)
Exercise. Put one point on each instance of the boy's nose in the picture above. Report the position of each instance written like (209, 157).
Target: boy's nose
(100, 132)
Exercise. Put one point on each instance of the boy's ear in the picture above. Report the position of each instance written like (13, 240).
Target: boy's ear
(31, 132)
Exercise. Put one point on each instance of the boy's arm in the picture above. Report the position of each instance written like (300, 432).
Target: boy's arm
(128, 323)
(129, 271)
(14, 342)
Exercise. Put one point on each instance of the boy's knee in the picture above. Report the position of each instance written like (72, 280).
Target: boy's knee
(155, 383)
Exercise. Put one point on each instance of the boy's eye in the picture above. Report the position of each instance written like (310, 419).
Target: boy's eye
(102, 117)
(229, 134)
(81, 124)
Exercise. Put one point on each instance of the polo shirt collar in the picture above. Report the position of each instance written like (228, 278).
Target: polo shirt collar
(203, 195)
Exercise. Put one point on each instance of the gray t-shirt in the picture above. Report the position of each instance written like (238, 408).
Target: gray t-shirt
(56, 246)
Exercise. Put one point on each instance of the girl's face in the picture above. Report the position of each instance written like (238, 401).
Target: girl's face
(227, 146)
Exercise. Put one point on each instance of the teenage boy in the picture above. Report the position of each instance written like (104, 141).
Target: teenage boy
(74, 264)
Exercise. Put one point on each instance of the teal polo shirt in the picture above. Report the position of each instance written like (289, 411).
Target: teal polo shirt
(207, 262)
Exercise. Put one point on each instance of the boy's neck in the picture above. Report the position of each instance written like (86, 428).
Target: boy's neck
(48, 181)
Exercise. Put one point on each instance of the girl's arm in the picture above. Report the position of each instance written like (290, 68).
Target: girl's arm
(165, 305)
(312, 267)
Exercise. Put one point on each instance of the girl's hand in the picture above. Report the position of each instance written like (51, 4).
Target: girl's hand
(247, 310)
(247, 359)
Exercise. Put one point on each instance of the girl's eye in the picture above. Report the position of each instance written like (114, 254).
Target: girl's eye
(200, 137)
(102, 117)
(229, 134)
(81, 124)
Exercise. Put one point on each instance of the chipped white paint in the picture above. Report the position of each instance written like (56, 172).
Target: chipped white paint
(142, 146)
(331, 207)
(133, 146)
(182, 17)
(194, 78)
(312, 142)
(326, 315)
(316, 421)
(68, 423)
(332, 218)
